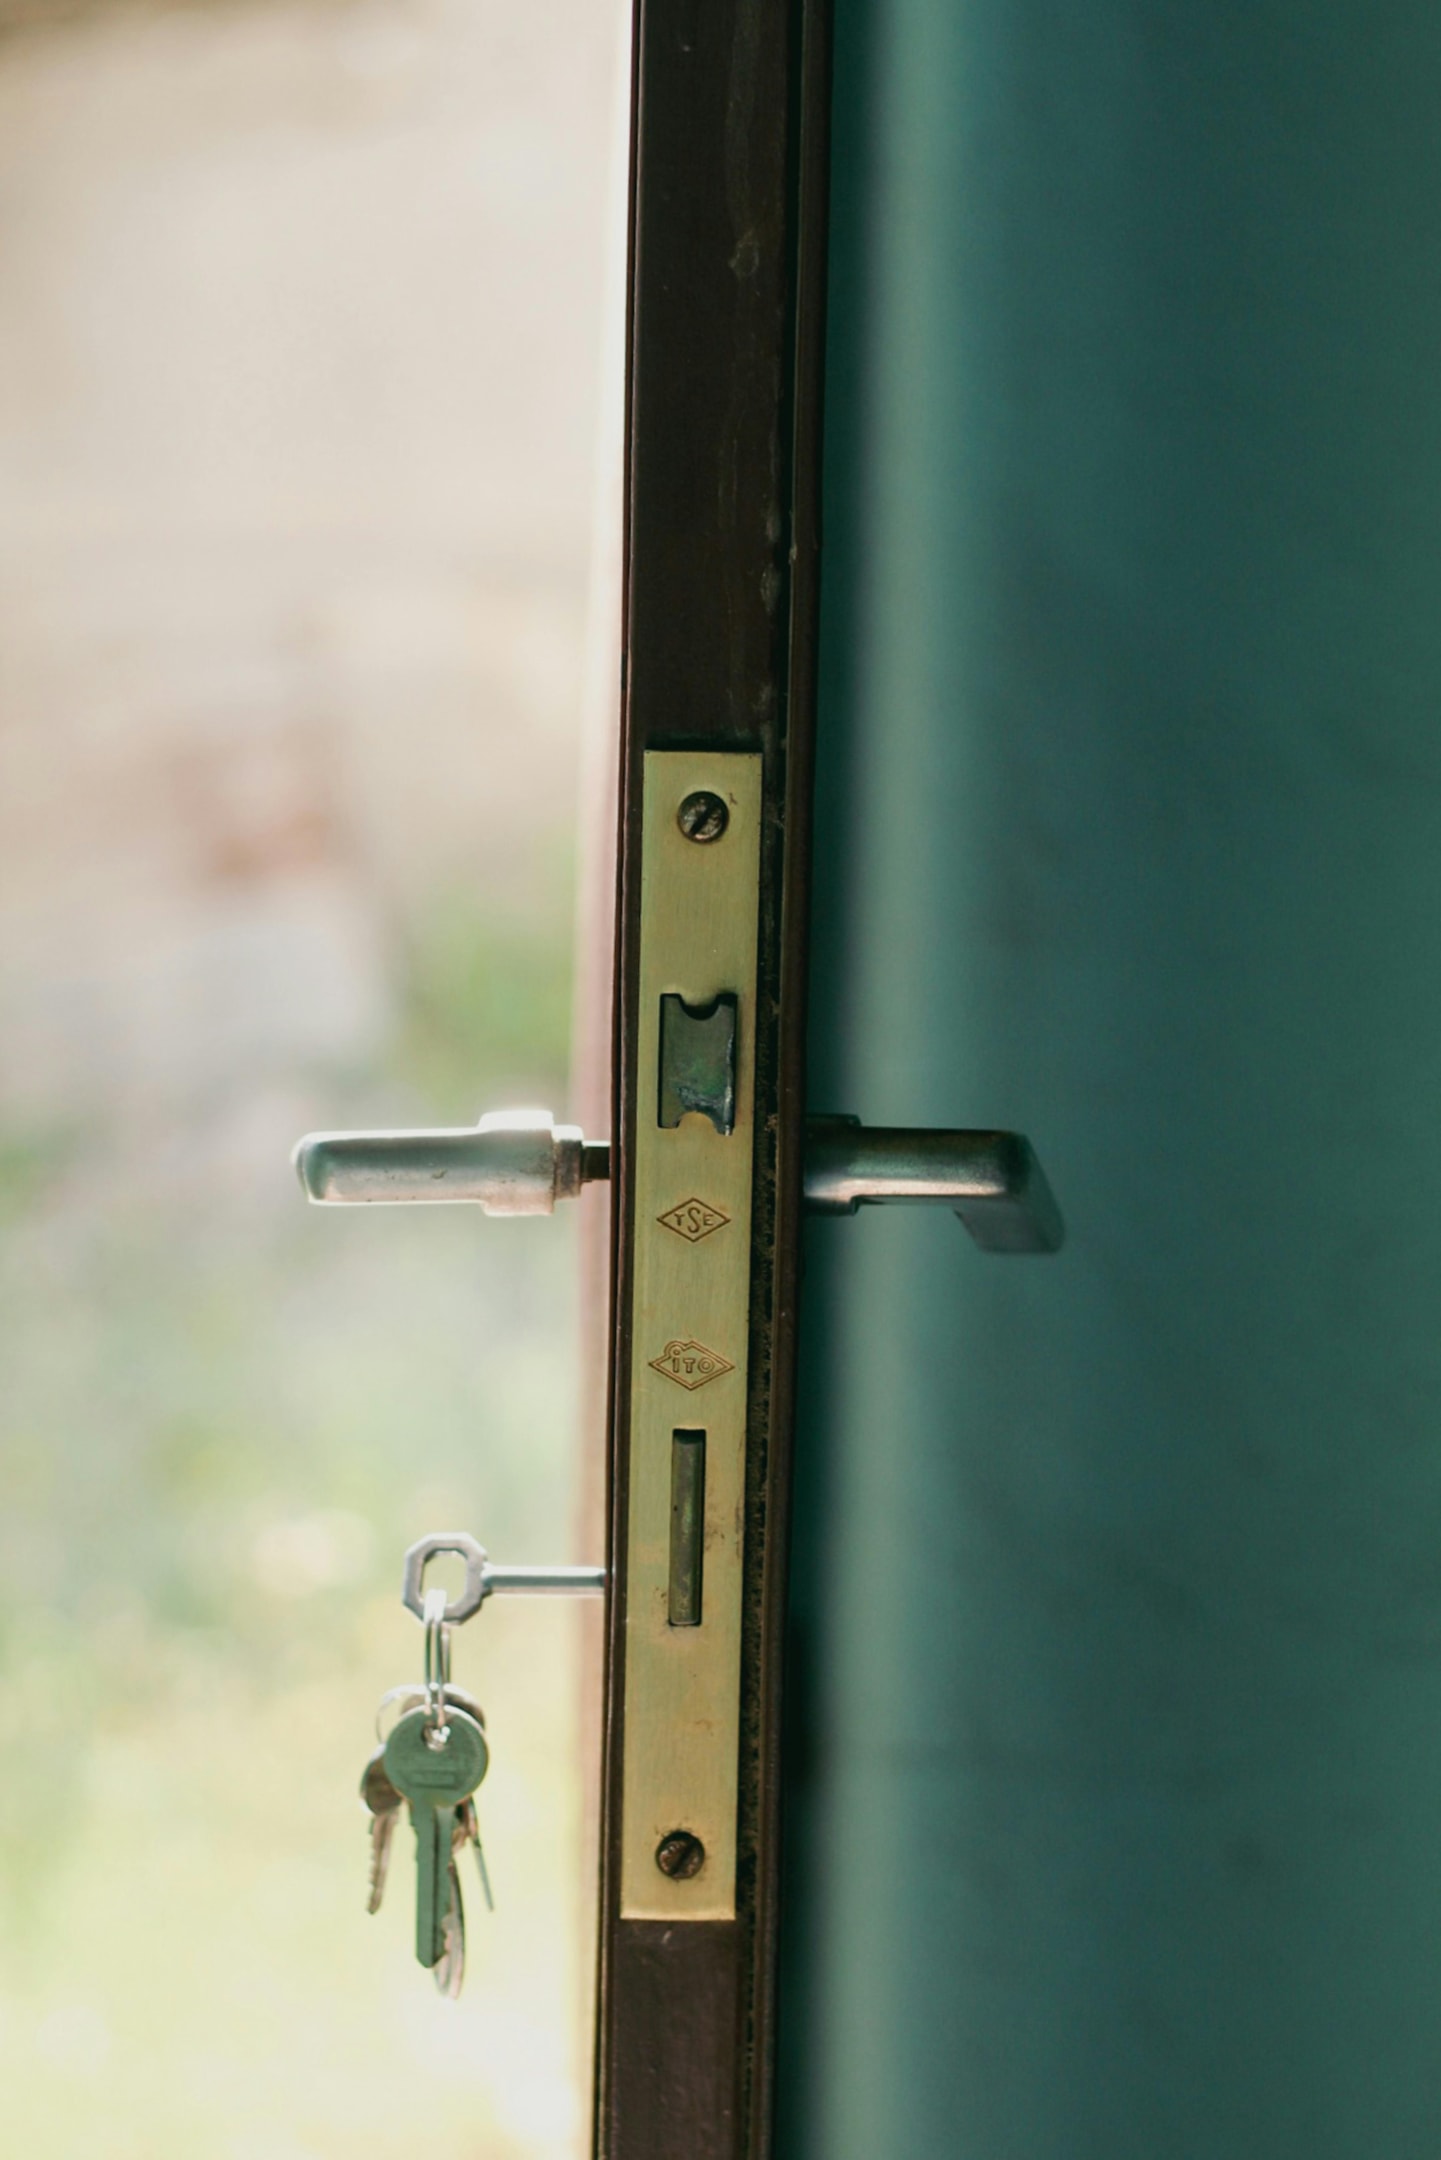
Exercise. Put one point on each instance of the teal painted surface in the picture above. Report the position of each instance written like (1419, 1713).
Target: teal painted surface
(1116, 1800)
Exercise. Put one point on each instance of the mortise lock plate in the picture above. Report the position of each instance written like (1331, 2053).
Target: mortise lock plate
(681, 1399)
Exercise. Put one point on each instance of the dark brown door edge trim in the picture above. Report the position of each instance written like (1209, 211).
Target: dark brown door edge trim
(729, 184)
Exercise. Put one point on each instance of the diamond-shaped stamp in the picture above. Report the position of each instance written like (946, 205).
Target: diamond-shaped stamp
(693, 1219)
(690, 1364)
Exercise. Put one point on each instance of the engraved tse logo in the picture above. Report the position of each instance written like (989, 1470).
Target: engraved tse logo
(693, 1219)
(690, 1364)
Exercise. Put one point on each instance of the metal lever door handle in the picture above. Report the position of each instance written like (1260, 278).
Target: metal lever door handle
(520, 1162)
(992, 1180)
(514, 1162)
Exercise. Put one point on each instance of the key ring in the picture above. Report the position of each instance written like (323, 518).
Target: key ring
(437, 1667)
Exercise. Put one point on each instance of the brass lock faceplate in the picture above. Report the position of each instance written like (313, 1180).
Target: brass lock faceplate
(690, 1327)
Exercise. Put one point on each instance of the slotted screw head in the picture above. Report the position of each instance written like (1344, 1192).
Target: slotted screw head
(703, 816)
(680, 1854)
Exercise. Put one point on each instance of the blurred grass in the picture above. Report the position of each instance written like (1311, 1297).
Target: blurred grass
(485, 996)
(223, 1418)
(29, 1159)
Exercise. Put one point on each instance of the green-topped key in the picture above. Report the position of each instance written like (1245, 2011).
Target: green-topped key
(436, 1769)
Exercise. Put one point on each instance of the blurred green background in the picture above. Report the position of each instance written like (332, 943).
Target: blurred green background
(301, 365)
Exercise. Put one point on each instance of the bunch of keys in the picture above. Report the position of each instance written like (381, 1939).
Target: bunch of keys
(434, 1759)
(436, 1752)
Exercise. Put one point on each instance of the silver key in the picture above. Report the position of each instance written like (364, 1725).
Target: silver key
(436, 1767)
(467, 1832)
(385, 1804)
(450, 1971)
(449, 1967)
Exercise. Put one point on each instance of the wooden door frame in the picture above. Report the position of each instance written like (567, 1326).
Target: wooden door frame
(729, 123)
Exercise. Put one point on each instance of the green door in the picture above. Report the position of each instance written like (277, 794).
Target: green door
(1115, 1797)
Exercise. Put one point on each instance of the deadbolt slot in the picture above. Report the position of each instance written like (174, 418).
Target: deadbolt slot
(698, 1060)
(687, 1526)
